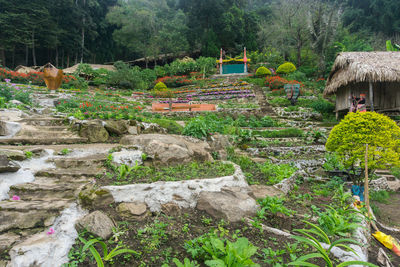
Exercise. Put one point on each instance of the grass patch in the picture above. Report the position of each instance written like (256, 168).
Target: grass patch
(380, 196)
(143, 174)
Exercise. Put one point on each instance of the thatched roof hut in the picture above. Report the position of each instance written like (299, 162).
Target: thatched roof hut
(72, 69)
(376, 74)
(24, 69)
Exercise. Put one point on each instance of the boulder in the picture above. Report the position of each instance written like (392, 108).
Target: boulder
(171, 209)
(219, 143)
(92, 197)
(263, 191)
(7, 240)
(169, 149)
(148, 128)
(94, 131)
(97, 223)
(134, 210)
(232, 204)
(9, 128)
(128, 157)
(7, 165)
(13, 154)
(119, 127)
(133, 130)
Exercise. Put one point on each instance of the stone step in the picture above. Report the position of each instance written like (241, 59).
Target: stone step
(42, 141)
(89, 161)
(55, 128)
(39, 133)
(43, 189)
(43, 121)
(30, 214)
(71, 172)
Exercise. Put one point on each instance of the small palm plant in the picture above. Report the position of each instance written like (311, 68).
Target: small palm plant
(323, 253)
(107, 256)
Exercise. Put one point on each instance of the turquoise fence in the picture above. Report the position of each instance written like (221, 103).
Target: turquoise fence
(231, 69)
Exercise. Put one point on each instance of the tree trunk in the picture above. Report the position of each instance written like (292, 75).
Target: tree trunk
(26, 55)
(299, 46)
(57, 56)
(68, 61)
(13, 58)
(62, 58)
(2, 57)
(83, 39)
(147, 62)
(76, 58)
(33, 48)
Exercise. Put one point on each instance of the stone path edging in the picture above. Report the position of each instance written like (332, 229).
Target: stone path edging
(183, 193)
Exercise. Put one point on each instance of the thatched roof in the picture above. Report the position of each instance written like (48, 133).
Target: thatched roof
(353, 67)
(72, 69)
(24, 69)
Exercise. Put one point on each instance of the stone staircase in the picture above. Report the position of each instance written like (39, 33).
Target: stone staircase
(52, 191)
(43, 130)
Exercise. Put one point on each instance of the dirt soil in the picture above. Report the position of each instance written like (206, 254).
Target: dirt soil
(161, 237)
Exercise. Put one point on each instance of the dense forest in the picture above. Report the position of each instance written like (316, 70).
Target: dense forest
(306, 32)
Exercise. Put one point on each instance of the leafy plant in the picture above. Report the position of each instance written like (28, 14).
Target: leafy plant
(276, 172)
(28, 154)
(107, 256)
(332, 162)
(272, 205)
(311, 236)
(65, 151)
(339, 222)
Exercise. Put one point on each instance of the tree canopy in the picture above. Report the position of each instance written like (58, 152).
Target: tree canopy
(306, 32)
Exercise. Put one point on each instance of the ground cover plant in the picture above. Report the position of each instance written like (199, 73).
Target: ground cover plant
(119, 175)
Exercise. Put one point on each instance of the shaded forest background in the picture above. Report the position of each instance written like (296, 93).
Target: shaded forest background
(307, 32)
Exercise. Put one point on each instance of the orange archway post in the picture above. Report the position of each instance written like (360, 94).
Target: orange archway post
(52, 76)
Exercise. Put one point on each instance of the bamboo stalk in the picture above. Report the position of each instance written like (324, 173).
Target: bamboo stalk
(366, 183)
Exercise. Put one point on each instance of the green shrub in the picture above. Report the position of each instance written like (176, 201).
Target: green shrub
(323, 106)
(160, 86)
(263, 71)
(349, 137)
(286, 68)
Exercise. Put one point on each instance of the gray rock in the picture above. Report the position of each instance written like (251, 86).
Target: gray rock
(169, 149)
(7, 165)
(94, 131)
(16, 102)
(94, 198)
(128, 157)
(96, 223)
(148, 128)
(219, 143)
(8, 128)
(263, 191)
(7, 240)
(231, 204)
(133, 130)
(116, 127)
(135, 210)
(13, 154)
(379, 184)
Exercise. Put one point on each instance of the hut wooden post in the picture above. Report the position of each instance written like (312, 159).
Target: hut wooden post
(371, 96)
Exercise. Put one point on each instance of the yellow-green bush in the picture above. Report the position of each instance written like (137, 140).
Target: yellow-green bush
(160, 86)
(349, 138)
(285, 68)
(262, 72)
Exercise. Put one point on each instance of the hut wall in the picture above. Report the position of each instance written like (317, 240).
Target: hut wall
(386, 95)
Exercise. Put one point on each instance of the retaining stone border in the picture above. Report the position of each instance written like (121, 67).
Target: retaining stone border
(183, 193)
